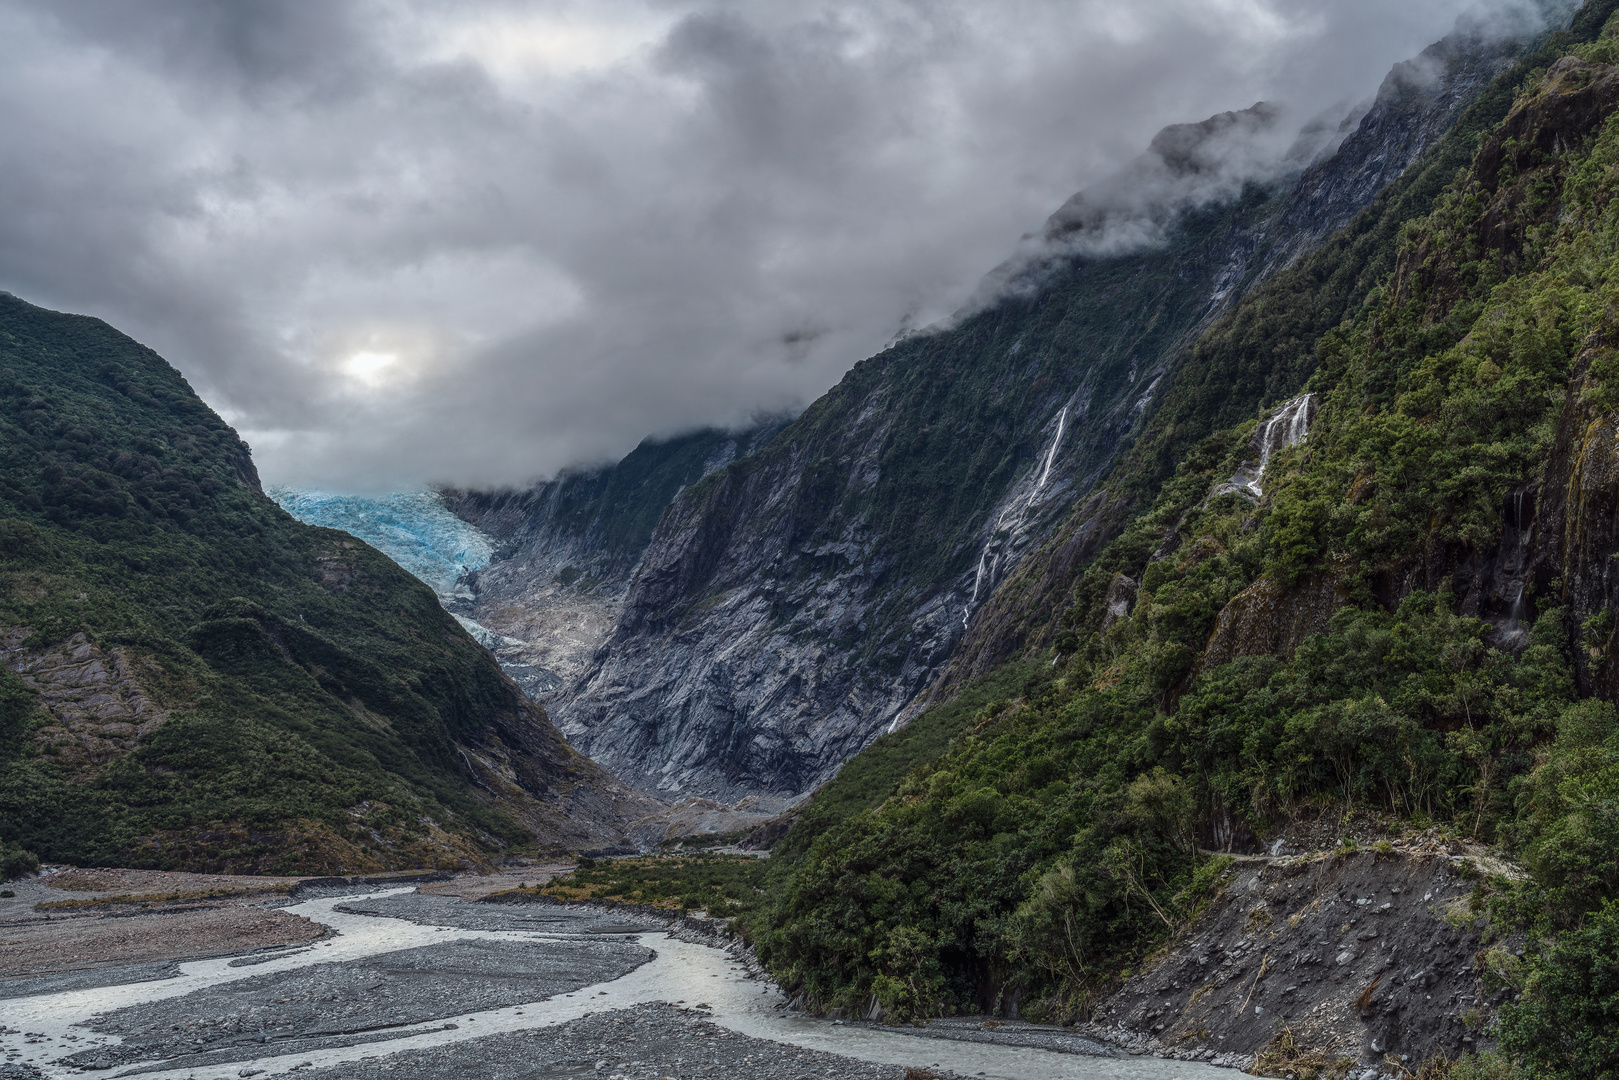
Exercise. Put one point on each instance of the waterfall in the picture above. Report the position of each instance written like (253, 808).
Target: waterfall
(1051, 451)
(1513, 565)
(1286, 426)
(1009, 525)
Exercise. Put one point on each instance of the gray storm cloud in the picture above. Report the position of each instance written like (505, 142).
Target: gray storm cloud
(399, 242)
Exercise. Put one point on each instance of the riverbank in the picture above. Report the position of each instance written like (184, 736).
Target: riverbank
(424, 981)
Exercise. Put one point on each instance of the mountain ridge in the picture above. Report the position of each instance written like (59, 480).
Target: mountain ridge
(194, 678)
(791, 606)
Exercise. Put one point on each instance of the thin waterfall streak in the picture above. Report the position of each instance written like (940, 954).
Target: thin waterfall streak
(1009, 525)
(1051, 453)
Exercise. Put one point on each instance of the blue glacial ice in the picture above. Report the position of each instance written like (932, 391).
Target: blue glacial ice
(414, 529)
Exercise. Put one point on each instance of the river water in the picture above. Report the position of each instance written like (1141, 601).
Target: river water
(62, 1033)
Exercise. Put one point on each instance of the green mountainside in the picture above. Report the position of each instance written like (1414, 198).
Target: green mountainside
(192, 678)
(1413, 618)
(1258, 353)
(791, 607)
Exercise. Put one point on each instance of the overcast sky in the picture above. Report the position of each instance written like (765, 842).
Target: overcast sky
(398, 242)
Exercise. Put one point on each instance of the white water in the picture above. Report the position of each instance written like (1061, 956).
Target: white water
(694, 974)
(1286, 426)
(1009, 526)
(1515, 634)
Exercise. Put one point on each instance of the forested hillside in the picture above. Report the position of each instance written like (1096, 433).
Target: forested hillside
(194, 679)
(1405, 610)
(791, 606)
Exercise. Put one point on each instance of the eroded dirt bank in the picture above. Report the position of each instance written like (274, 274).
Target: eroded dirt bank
(1370, 954)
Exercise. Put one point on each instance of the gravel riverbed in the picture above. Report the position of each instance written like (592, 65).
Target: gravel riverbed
(427, 982)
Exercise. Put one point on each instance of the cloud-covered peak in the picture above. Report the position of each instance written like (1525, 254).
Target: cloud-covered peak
(404, 241)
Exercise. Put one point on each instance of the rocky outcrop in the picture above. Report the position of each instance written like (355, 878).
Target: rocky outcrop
(1267, 619)
(94, 698)
(565, 550)
(1354, 957)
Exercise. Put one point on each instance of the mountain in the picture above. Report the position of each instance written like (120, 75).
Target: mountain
(791, 606)
(193, 678)
(1262, 350)
(1379, 606)
(564, 551)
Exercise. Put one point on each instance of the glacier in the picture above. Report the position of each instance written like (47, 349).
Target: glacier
(413, 528)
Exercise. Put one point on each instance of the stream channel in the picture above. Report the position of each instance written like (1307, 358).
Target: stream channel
(411, 985)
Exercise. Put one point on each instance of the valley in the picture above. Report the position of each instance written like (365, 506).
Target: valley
(453, 984)
(1194, 654)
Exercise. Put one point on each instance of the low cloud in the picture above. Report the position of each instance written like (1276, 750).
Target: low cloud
(399, 242)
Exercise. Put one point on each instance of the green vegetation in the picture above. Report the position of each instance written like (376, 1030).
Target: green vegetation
(1568, 1022)
(874, 774)
(312, 694)
(956, 417)
(722, 885)
(15, 862)
(1262, 350)
(1047, 834)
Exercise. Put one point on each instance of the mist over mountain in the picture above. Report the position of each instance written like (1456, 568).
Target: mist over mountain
(544, 231)
(1194, 636)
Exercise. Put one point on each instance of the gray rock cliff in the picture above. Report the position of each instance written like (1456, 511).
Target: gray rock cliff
(789, 606)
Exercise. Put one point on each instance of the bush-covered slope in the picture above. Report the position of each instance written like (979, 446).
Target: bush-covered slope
(1414, 617)
(790, 606)
(192, 678)
(1253, 356)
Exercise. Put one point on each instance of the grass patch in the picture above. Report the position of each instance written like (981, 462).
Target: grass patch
(722, 885)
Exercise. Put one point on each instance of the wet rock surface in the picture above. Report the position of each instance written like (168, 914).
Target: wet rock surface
(649, 1041)
(448, 911)
(340, 1004)
(88, 979)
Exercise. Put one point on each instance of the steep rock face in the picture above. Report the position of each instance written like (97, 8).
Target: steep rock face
(1418, 132)
(1417, 104)
(1580, 509)
(551, 591)
(1359, 956)
(790, 607)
